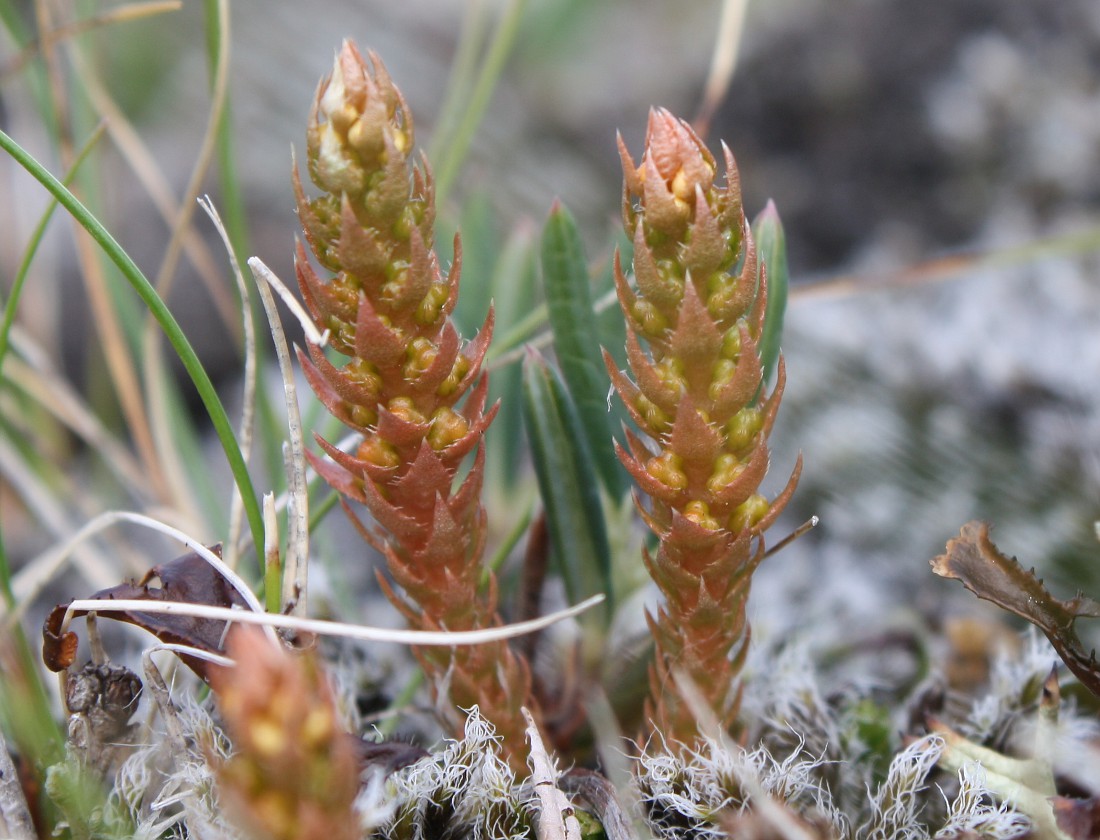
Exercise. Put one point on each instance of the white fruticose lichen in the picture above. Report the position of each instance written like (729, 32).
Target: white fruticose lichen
(973, 812)
(1014, 684)
(466, 789)
(685, 794)
(897, 804)
(166, 788)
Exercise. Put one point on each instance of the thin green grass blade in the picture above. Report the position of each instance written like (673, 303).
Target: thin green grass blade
(569, 488)
(771, 245)
(168, 323)
(520, 332)
(577, 343)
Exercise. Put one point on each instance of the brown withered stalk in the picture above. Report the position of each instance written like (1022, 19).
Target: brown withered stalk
(699, 305)
(410, 386)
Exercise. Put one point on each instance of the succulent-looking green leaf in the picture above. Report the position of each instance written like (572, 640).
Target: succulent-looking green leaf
(771, 244)
(973, 559)
(513, 288)
(576, 341)
(1028, 783)
(568, 484)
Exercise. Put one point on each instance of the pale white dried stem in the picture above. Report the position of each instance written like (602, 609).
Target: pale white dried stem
(295, 573)
(95, 641)
(56, 557)
(261, 272)
(271, 532)
(557, 819)
(235, 580)
(313, 479)
(194, 652)
(422, 638)
(231, 552)
(15, 817)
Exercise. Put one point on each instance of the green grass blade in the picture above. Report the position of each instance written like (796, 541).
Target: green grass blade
(771, 245)
(576, 341)
(172, 331)
(569, 489)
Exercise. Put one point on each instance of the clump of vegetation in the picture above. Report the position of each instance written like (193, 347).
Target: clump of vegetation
(266, 733)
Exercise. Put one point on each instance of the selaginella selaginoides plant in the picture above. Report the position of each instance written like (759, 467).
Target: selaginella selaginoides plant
(293, 772)
(410, 386)
(699, 304)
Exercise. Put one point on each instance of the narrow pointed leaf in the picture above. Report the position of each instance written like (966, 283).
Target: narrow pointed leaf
(771, 244)
(513, 287)
(568, 484)
(576, 341)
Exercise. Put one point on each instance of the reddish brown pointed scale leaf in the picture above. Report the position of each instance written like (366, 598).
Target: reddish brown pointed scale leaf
(323, 305)
(332, 389)
(375, 341)
(780, 502)
(336, 475)
(359, 250)
(706, 251)
(696, 340)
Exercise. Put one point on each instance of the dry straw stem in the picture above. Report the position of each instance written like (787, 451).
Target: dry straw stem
(15, 817)
(120, 364)
(488, 637)
(723, 60)
(699, 304)
(155, 372)
(410, 386)
(67, 31)
(294, 575)
(557, 820)
(248, 397)
(34, 375)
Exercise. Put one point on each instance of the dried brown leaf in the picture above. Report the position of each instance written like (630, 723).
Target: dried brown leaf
(1079, 818)
(188, 579)
(973, 559)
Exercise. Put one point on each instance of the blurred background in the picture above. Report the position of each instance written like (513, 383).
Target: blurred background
(936, 166)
